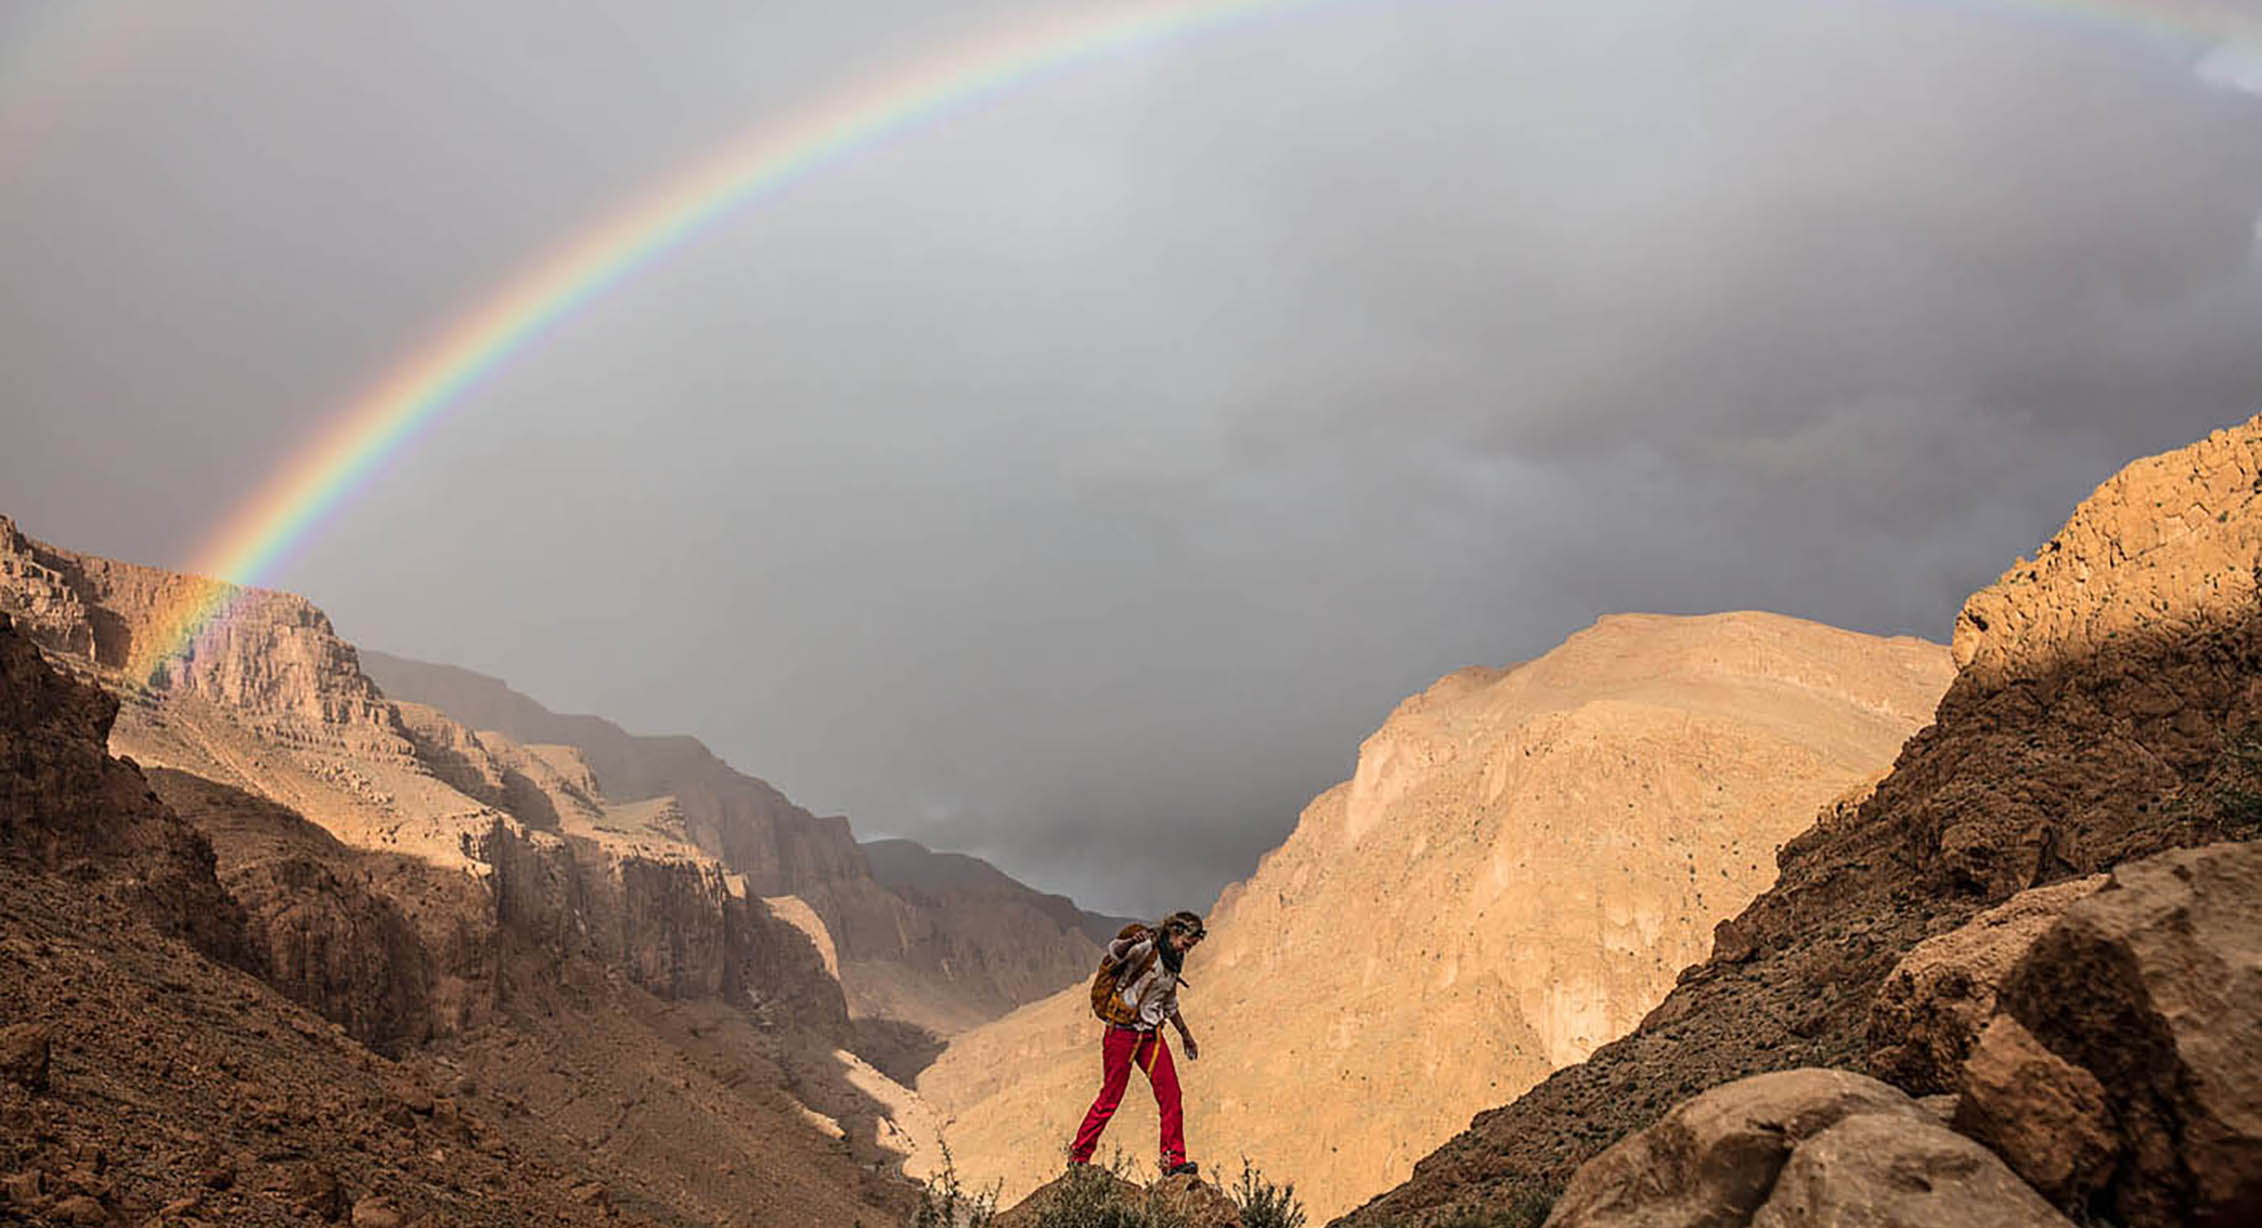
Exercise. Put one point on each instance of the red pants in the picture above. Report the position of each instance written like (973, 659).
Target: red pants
(1118, 1051)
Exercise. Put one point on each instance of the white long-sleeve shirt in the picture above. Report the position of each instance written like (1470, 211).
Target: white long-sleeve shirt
(1154, 994)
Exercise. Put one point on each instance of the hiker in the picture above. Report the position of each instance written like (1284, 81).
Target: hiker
(1135, 992)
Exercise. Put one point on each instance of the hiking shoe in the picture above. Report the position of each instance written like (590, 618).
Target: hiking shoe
(1185, 1167)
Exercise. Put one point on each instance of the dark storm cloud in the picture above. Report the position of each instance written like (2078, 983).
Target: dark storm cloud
(1076, 479)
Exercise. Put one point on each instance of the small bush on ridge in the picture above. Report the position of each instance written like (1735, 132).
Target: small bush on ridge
(1263, 1204)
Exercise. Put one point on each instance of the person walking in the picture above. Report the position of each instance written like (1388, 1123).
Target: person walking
(1136, 992)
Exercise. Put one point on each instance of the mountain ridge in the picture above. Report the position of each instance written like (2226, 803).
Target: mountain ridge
(2104, 691)
(1519, 864)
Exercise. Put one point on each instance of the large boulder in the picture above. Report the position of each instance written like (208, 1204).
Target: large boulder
(2044, 1115)
(2153, 986)
(1738, 1155)
(1891, 1171)
(1932, 1008)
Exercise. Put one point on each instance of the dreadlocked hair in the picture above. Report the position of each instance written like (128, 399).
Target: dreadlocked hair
(1183, 923)
(1177, 923)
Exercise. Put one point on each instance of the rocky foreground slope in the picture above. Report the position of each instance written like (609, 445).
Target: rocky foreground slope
(2107, 707)
(919, 961)
(151, 1073)
(591, 990)
(1521, 863)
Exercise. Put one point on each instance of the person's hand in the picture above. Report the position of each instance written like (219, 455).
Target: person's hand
(1193, 1050)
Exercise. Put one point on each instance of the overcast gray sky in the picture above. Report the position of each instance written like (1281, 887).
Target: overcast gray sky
(1074, 480)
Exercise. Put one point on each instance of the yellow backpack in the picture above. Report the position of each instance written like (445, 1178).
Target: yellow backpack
(1108, 982)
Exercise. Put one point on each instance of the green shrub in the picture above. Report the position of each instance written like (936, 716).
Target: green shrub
(946, 1203)
(1263, 1204)
(1090, 1196)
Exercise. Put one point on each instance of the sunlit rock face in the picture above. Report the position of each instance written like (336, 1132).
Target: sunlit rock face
(2108, 706)
(1519, 866)
(914, 948)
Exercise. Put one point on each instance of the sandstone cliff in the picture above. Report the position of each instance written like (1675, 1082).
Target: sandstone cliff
(2106, 707)
(940, 943)
(1522, 861)
(446, 895)
(144, 1081)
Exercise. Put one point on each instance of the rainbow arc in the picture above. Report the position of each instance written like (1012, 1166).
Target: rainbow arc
(773, 156)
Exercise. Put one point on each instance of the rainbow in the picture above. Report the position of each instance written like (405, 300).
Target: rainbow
(771, 157)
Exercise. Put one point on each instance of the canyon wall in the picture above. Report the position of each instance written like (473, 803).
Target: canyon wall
(2107, 706)
(444, 895)
(924, 952)
(157, 1063)
(1519, 866)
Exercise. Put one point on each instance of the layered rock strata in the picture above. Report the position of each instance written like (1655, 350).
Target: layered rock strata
(445, 895)
(142, 1080)
(937, 944)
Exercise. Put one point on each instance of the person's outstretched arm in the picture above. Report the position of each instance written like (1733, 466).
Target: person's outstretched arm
(1193, 1050)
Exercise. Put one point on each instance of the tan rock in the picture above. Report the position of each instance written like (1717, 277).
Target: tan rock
(1930, 1011)
(80, 1210)
(377, 1211)
(2107, 712)
(1715, 1159)
(1893, 1171)
(1517, 870)
(940, 960)
(2154, 985)
(2045, 1116)
(25, 1189)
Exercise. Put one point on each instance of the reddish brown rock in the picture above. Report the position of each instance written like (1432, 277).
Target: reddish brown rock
(1930, 1011)
(65, 802)
(2154, 985)
(24, 1052)
(2044, 1115)
(80, 1211)
(184, 1072)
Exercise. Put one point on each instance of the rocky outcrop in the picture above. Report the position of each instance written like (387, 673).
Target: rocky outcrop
(268, 705)
(2150, 993)
(142, 1080)
(1093, 1195)
(274, 659)
(428, 890)
(1798, 1149)
(542, 788)
(780, 848)
(938, 944)
(907, 865)
(322, 932)
(67, 807)
(1932, 1008)
(1518, 867)
(2045, 1116)
(2105, 710)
